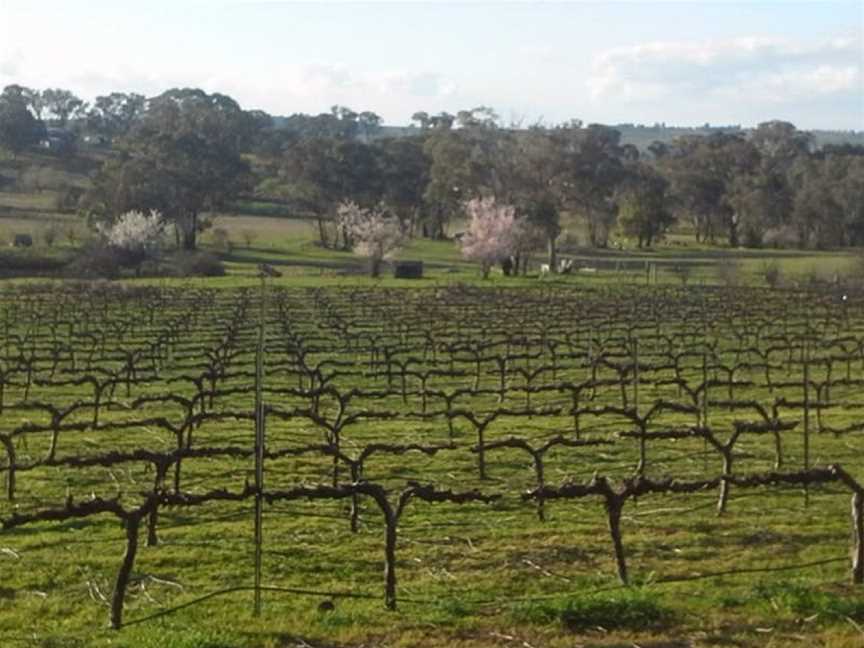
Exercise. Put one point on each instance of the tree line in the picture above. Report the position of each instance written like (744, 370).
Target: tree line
(187, 152)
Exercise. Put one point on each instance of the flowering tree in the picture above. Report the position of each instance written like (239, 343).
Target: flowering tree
(135, 235)
(493, 233)
(371, 233)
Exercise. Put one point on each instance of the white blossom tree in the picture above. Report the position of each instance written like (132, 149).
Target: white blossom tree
(136, 236)
(371, 233)
(493, 233)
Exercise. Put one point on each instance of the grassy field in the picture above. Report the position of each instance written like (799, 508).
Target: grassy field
(31, 186)
(772, 571)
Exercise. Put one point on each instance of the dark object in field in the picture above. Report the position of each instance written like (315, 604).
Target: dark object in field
(23, 240)
(408, 270)
(326, 606)
(265, 270)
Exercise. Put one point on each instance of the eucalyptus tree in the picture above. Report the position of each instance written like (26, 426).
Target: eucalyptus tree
(62, 105)
(182, 157)
(593, 166)
(643, 204)
(19, 128)
(114, 114)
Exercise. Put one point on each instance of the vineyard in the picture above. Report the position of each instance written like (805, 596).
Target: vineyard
(452, 457)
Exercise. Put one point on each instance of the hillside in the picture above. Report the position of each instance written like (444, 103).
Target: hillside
(642, 136)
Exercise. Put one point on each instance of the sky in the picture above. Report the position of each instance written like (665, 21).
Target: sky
(679, 63)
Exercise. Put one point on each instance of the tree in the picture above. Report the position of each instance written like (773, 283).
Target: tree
(182, 158)
(372, 232)
(135, 236)
(817, 216)
(492, 235)
(320, 172)
(845, 173)
(115, 114)
(705, 174)
(368, 124)
(643, 205)
(451, 179)
(765, 190)
(31, 98)
(404, 169)
(463, 166)
(136, 231)
(422, 119)
(442, 121)
(481, 116)
(543, 216)
(592, 167)
(528, 165)
(62, 104)
(19, 129)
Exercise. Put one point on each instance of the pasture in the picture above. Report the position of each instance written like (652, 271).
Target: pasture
(551, 464)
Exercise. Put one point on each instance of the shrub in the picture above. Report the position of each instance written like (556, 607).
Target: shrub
(248, 236)
(95, 261)
(194, 264)
(68, 198)
(770, 272)
(222, 239)
(50, 233)
(28, 262)
(729, 272)
(72, 234)
(682, 272)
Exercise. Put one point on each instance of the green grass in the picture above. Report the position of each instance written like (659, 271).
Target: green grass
(467, 574)
(799, 599)
(291, 244)
(627, 609)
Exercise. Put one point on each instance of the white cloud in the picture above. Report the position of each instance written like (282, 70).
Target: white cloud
(753, 68)
(421, 85)
(280, 88)
(10, 65)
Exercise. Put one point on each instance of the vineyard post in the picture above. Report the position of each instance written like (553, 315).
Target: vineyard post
(259, 448)
(806, 353)
(642, 425)
(705, 407)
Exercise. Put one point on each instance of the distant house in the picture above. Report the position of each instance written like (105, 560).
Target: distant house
(58, 140)
(95, 140)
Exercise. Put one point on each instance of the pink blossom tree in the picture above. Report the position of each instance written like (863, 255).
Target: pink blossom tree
(372, 233)
(493, 233)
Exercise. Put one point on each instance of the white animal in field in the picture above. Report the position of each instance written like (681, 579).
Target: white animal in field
(544, 269)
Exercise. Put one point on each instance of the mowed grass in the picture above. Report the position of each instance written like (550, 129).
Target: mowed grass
(291, 244)
(469, 575)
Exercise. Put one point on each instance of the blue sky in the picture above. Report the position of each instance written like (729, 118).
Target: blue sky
(644, 62)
